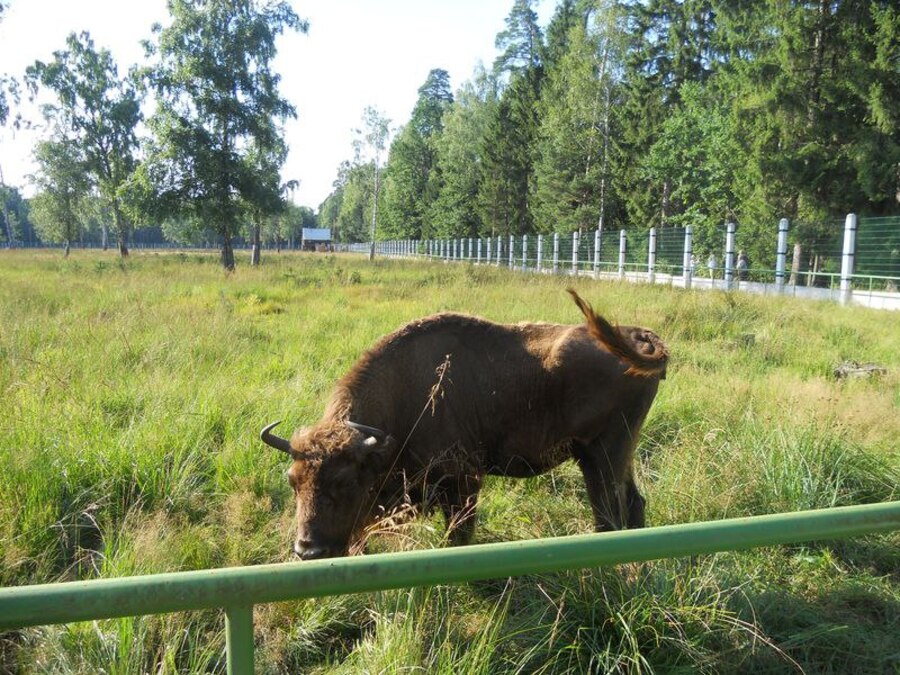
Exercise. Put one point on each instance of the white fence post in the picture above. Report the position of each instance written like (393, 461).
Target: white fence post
(687, 264)
(729, 256)
(499, 249)
(555, 252)
(487, 260)
(478, 251)
(575, 252)
(781, 254)
(540, 253)
(512, 249)
(597, 235)
(651, 257)
(524, 252)
(847, 259)
(621, 254)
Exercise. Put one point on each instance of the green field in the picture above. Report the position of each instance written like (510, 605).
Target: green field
(131, 396)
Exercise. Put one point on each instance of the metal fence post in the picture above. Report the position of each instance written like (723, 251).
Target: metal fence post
(512, 248)
(622, 254)
(471, 249)
(524, 252)
(688, 263)
(847, 258)
(239, 639)
(540, 253)
(597, 235)
(729, 256)
(575, 252)
(499, 249)
(487, 260)
(651, 257)
(555, 252)
(781, 254)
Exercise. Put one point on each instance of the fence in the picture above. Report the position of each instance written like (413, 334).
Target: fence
(857, 262)
(238, 589)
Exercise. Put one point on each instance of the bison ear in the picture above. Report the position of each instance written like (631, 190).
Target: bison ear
(376, 450)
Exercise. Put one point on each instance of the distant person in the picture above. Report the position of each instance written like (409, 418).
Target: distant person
(693, 264)
(743, 265)
(711, 264)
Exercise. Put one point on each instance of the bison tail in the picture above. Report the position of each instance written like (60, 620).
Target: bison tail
(644, 354)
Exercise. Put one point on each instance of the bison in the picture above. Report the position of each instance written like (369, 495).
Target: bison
(444, 401)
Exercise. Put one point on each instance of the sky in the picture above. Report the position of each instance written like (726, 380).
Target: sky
(357, 53)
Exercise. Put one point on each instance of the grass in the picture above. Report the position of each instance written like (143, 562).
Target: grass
(132, 395)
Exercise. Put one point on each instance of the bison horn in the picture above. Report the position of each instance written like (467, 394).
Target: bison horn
(377, 434)
(271, 439)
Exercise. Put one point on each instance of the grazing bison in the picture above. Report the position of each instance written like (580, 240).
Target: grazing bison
(442, 402)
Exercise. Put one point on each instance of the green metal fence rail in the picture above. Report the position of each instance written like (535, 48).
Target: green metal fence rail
(238, 589)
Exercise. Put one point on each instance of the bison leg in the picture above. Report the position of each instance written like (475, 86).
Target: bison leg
(458, 499)
(606, 464)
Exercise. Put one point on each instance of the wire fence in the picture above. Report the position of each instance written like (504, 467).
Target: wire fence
(857, 260)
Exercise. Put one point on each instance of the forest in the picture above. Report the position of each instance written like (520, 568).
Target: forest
(640, 114)
(617, 114)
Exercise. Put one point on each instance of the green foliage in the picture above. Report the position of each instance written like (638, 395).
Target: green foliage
(62, 186)
(460, 153)
(99, 112)
(521, 42)
(216, 144)
(639, 114)
(412, 182)
(151, 463)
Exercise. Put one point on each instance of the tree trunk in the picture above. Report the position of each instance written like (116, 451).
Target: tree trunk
(10, 239)
(795, 265)
(104, 236)
(374, 212)
(120, 229)
(227, 253)
(67, 247)
(254, 253)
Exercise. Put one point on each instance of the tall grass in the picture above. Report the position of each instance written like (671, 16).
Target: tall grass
(132, 395)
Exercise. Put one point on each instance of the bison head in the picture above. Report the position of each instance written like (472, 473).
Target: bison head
(334, 475)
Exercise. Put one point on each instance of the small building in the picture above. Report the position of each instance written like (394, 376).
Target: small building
(316, 239)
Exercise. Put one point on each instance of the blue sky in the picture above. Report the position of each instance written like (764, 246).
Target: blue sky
(357, 53)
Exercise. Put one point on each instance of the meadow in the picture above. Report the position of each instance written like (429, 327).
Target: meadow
(132, 394)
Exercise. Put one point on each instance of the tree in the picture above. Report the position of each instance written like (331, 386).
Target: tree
(266, 199)
(670, 43)
(14, 212)
(459, 158)
(572, 169)
(8, 87)
(98, 111)
(412, 181)
(521, 42)
(368, 148)
(62, 184)
(217, 98)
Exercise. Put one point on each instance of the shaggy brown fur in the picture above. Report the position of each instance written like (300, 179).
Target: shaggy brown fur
(459, 398)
